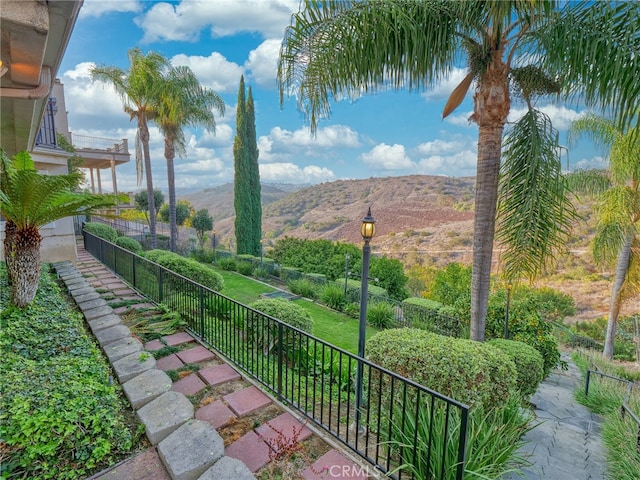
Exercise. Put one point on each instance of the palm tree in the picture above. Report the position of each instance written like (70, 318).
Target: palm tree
(348, 48)
(28, 201)
(182, 102)
(137, 89)
(618, 211)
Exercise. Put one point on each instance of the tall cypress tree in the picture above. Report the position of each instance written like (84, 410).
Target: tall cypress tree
(254, 177)
(248, 223)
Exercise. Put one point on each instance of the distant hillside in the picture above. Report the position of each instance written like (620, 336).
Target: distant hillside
(419, 219)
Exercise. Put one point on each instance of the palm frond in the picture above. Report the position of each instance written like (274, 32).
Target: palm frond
(590, 182)
(534, 211)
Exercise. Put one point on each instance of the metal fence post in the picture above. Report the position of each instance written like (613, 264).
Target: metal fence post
(201, 313)
(280, 360)
(586, 387)
(160, 289)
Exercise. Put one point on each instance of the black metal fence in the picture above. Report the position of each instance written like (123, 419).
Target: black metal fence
(399, 422)
(625, 408)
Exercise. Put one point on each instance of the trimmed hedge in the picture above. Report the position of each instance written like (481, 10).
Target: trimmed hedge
(431, 315)
(130, 244)
(61, 416)
(286, 312)
(101, 230)
(471, 372)
(187, 267)
(528, 361)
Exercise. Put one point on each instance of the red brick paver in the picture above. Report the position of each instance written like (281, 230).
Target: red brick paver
(282, 431)
(251, 450)
(171, 362)
(178, 339)
(189, 385)
(246, 401)
(219, 374)
(195, 355)
(216, 413)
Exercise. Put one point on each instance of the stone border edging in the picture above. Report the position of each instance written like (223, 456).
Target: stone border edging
(190, 449)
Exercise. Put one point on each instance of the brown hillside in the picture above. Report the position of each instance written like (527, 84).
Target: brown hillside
(419, 219)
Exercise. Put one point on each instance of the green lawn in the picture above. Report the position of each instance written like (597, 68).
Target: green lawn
(329, 325)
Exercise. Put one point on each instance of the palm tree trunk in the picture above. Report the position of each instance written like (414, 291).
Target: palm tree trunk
(23, 250)
(622, 265)
(144, 138)
(170, 153)
(491, 108)
(10, 236)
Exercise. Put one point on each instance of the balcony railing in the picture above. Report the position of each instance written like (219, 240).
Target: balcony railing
(400, 421)
(97, 143)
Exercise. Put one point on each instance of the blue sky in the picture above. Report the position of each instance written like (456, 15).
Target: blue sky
(385, 134)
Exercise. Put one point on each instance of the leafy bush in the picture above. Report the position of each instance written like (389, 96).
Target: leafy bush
(525, 325)
(130, 244)
(332, 296)
(352, 309)
(381, 315)
(245, 268)
(303, 287)
(528, 361)
(101, 230)
(228, 264)
(187, 268)
(61, 417)
(263, 332)
(452, 286)
(203, 255)
(471, 372)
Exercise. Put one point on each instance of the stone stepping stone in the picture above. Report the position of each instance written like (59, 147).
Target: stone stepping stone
(145, 466)
(164, 415)
(146, 387)
(228, 467)
(97, 312)
(191, 450)
(219, 374)
(334, 464)
(216, 413)
(195, 355)
(121, 348)
(246, 401)
(251, 450)
(189, 385)
(111, 334)
(170, 362)
(133, 365)
(104, 322)
(282, 431)
(177, 339)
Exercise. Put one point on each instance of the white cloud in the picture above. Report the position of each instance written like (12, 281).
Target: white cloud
(387, 157)
(461, 119)
(596, 162)
(462, 163)
(263, 62)
(188, 18)
(292, 173)
(282, 144)
(214, 71)
(443, 89)
(561, 117)
(96, 8)
(438, 146)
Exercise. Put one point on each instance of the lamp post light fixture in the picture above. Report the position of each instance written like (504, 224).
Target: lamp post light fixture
(347, 257)
(506, 315)
(367, 230)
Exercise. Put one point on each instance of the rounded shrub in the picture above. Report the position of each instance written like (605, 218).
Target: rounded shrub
(286, 312)
(528, 361)
(228, 264)
(130, 244)
(381, 315)
(303, 287)
(471, 372)
(101, 230)
(187, 267)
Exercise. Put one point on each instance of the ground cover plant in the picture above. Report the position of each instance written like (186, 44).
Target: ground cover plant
(61, 416)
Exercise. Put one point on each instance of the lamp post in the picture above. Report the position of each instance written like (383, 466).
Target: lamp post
(506, 315)
(261, 259)
(347, 257)
(367, 230)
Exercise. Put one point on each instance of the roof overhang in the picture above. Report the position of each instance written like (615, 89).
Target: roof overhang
(35, 35)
